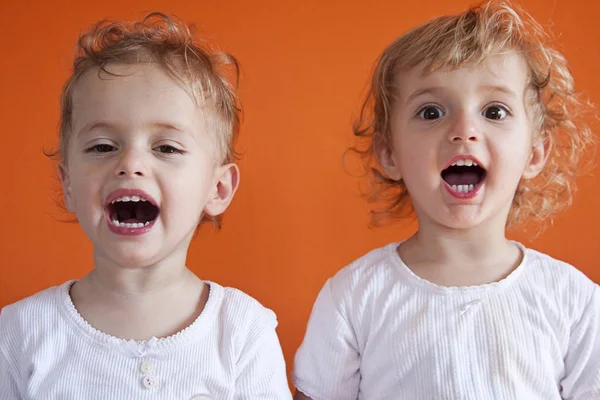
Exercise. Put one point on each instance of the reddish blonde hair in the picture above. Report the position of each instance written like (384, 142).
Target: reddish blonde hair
(473, 36)
(211, 77)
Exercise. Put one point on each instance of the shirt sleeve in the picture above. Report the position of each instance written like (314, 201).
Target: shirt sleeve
(327, 364)
(582, 363)
(9, 389)
(261, 367)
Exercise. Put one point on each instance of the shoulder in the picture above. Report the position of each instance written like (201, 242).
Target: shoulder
(571, 288)
(24, 323)
(31, 314)
(557, 273)
(240, 314)
(367, 273)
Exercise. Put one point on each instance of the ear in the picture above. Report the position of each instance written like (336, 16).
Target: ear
(227, 182)
(537, 158)
(65, 181)
(382, 150)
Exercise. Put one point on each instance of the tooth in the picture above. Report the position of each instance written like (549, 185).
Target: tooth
(115, 222)
(455, 188)
(135, 198)
(474, 164)
(143, 199)
(139, 225)
(460, 163)
(126, 198)
(471, 187)
(468, 163)
(147, 223)
(128, 225)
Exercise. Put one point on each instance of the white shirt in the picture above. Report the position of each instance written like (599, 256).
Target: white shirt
(378, 331)
(48, 351)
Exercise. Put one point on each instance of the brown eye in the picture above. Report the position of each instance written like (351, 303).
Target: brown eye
(495, 113)
(101, 148)
(166, 149)
(431, 113)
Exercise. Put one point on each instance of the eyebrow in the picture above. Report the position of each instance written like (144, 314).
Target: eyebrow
(117, 127)
(498, 88)
(94, 125)
(421, 92)
(485, 88)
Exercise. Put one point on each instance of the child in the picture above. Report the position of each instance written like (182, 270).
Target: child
(470, 116)
(148, 126)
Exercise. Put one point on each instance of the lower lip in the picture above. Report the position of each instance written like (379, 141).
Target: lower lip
(128, 231)
(463, 195)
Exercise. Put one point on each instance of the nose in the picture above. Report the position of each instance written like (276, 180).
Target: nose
(464, 129)
(131, 163)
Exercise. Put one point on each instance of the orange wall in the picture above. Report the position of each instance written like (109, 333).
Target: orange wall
(297, 217)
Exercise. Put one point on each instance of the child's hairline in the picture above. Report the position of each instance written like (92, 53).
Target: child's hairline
(208, 108)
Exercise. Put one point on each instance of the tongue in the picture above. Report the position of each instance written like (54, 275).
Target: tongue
(462, 178)
(128, 217)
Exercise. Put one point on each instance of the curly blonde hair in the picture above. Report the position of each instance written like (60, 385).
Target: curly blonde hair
(473, 36)
(211, 77)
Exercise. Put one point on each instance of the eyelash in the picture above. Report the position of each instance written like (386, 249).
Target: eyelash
(164, 149)
(95, 148)
(175, 150)
(497, 105)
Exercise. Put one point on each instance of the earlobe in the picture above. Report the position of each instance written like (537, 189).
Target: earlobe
(65, 182)
(227, 182)
(382, 150)
(537, 158)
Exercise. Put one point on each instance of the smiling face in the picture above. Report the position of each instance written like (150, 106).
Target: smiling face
(461, 140)
(141, 165)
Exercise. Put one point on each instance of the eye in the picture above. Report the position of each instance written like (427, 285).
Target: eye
(431, 113)
(495, 112)
(100, 148)
(166, 149)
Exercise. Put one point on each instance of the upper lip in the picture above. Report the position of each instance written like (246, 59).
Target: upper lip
(464, 157)
(115, 194)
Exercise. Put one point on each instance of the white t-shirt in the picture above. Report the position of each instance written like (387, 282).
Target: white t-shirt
(378, 331)
(48, 351)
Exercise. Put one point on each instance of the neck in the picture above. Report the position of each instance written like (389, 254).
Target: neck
(156, 300)
(460, 257)
(165, 275)
(461, 246)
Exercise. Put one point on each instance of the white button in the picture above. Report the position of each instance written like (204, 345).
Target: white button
(147, 367)
(150, 381)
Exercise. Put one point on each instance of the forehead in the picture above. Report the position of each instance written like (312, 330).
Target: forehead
(131, 96)
(508, 71)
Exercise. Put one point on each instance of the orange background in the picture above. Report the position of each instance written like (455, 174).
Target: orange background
(297, 217)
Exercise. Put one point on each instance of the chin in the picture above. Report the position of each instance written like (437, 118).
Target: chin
(460, 222)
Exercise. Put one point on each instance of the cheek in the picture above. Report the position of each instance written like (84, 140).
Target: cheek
(417, 163)
(188, 188)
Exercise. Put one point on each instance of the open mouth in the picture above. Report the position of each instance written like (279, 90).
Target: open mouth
(464, 175)
(132, 212)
